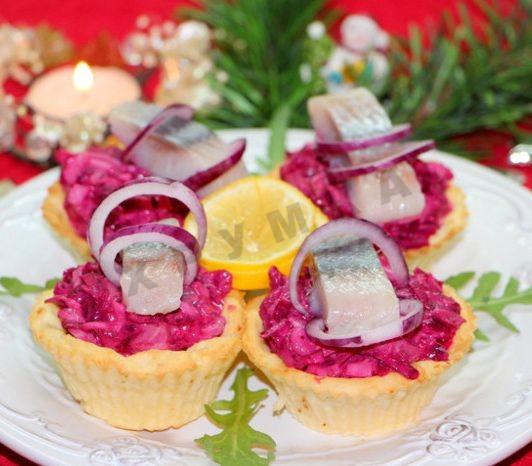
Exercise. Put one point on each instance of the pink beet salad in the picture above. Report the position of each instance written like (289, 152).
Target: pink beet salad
(305, 171)
(284, 333)
(92, 309)
(89, 177)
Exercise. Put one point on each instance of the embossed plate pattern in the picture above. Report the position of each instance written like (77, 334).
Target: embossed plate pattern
(481, 414)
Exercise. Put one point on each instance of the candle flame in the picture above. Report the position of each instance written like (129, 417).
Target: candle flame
(83, 77)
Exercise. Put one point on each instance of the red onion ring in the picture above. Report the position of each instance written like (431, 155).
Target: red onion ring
(395, 134)
(411, 311)
(176, 110)
(200, 179)
(356, 228)
(174, 237)
(174, 190)
(149, 179)
(403, 151)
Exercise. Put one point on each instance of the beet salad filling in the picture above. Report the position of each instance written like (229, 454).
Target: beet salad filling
(91, 308)
(284, 331)
(304, 170)
(89, 177)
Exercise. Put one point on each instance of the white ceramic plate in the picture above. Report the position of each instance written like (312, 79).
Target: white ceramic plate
(482, 414)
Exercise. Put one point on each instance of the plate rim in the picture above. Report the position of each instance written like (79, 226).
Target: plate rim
(11, 441)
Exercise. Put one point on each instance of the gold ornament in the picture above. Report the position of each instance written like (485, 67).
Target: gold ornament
(81, 131)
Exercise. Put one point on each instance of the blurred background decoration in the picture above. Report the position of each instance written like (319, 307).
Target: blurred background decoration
(254, 64)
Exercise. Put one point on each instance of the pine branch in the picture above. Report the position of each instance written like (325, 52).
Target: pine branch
(450, 84)
(464, 81)
(261, 45)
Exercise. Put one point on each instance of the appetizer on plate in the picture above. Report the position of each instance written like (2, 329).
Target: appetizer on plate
(143, 336)
(165, 143)
(359, 167)
(352, 342)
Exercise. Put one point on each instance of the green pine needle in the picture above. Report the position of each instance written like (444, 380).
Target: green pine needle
(237, 443)
(464, 81)
(261, 46)
(483, 300)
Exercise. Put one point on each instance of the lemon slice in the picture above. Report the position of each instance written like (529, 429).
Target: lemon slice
(253, 224)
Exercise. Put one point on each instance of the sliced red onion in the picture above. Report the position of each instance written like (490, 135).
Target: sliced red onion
(181, 111)
(396, 133)
(355, 228)
(174, 190)
(204, 177)
(410, 310)
(388, 156)
(174, 237)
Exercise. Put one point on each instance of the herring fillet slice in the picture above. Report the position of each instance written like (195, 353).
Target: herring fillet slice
(152, 277)
(179, 148)
(351, 286)
(233, 174)
(352, 114)
(387, 195)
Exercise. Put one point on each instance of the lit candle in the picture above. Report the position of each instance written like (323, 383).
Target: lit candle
(68, 90)
(83, 78)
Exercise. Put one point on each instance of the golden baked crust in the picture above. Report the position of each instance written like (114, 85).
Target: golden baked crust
(150, 390)
(453, 224)
(55, 214)
(360, 406)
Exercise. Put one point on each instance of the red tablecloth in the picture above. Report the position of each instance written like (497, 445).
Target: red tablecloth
(82, 20)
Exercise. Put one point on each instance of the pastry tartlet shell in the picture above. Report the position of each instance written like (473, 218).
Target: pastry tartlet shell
(150, 390)
(55, 214)
(443, 239)
(354, 406)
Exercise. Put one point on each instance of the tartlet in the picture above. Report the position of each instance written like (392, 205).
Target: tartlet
(353, 406)
(150, 390)
(142, 336)
(353, 342)
(54, 213)
(360, 167)
(184, 150)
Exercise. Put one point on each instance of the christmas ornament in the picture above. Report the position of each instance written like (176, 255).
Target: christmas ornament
(7, 123)
(82, 130)
(143, 46)
(53, 47)
(359, 59)
(186, 63)
(521, 155)
(183, 52)
(361, 34)
(48, 129)
(38, 148)
(25, 51)
(42, 139)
